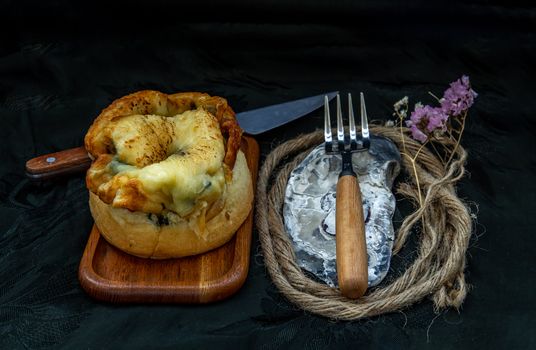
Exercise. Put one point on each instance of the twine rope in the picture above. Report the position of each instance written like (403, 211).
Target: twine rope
(438, 270)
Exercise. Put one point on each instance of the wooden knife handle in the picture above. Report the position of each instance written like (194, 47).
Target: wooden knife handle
(58, 164)
(352, 269)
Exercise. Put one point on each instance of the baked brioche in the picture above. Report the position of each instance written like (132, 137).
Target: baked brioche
(168, 178)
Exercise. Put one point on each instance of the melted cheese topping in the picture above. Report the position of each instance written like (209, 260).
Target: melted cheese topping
(178, 160)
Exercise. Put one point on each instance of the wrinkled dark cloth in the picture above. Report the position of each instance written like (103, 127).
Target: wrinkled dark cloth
(61, 64)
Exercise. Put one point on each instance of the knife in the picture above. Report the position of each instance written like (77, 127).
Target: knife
(253, 122)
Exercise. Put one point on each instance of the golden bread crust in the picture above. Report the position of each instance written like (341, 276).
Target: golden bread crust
(139, 234)
(98, 140)
(157, 156)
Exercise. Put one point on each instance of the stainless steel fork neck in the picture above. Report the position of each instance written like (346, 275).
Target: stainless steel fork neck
(347, 167)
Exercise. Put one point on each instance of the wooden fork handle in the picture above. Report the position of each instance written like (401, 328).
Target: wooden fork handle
(57, 164)
(351, 247)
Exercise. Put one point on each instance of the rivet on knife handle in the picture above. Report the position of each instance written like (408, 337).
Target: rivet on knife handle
(57, 164)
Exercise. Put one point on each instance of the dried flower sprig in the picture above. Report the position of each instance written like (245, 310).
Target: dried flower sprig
(429, 125)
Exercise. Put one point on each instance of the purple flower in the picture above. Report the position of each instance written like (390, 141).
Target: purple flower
(458, 97)
(424, 120)
(417, 134)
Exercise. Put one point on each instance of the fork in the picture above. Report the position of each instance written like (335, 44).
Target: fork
(351, 247)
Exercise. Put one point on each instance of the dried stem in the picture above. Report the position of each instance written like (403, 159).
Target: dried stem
(402, 133)
(413, 164)
(413, 161)
(460, 132)
(437, 152)
(434, 96)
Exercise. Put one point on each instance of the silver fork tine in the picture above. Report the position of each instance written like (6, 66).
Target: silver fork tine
(340, 126)
(353, 134)
(327, 126)
(365, 135)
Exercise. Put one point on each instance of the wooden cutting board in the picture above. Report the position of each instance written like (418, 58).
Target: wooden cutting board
(106, 273)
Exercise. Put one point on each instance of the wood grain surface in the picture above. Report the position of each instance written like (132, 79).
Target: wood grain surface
(351, 245)
(56, 164)
(108, 274)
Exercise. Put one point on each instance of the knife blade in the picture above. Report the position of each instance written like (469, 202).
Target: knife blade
(253, 122)
(259, 120)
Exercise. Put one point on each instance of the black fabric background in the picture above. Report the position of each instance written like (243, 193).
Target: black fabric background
(60, 64)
